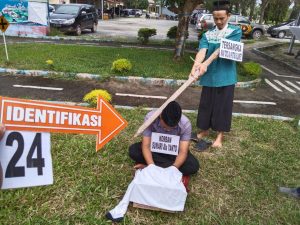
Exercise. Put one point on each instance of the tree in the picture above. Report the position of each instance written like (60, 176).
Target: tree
(184, 9)
(252, 10)
(143, 4)
(137, 4)
(263, 6)
(295, 10)
(277, 10)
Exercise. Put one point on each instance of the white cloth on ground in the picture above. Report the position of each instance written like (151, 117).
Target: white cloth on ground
(154, 186)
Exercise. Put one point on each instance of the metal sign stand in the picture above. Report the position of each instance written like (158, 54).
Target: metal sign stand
(5, 46)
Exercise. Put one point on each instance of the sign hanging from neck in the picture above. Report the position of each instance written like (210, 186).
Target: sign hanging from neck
(41, 116)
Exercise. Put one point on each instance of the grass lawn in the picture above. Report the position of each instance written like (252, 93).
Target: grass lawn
(236, 184)
(97, 60)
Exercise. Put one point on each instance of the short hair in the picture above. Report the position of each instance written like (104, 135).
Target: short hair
(221, 5)
(171, 115)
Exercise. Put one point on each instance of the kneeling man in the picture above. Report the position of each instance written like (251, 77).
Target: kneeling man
(166, 142)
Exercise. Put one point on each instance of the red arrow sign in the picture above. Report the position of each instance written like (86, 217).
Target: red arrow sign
(39, 116)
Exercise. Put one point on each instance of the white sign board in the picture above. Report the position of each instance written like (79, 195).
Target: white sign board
(25, 159)
(232, 50)
(38, 12)
(165, 143)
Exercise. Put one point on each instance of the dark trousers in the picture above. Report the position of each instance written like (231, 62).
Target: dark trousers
(190, 166)
(215, 108)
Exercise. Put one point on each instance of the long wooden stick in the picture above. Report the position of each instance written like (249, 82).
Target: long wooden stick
(176, 94)
(160, 109)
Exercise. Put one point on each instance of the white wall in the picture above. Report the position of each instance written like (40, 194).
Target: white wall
(58, 1)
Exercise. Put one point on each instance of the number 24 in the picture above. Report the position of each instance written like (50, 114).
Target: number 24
(38, 162)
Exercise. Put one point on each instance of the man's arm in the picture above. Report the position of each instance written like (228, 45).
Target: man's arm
(202, 67)
(198, 61)
(183, 152)
(146, 150)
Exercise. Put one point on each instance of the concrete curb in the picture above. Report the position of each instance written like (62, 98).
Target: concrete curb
(273, 117)
(262, 116)
(130, 79)
(283, 64)
(60, 38)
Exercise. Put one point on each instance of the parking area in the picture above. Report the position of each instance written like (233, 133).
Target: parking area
(128, 27)
(124, 28)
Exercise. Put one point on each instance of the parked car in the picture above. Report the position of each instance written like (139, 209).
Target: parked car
(74, 18)
(195, 16)
(205, 21)
(168, 14)
(253, 30)
(51, 9)
(281, 30)
(132, 12)
(152, 15)
(137, 12)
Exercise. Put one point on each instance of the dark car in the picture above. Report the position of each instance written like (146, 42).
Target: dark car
(281, 30)
(132, 12)
(74, 18)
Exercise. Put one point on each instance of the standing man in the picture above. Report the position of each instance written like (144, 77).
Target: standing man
(218, 76)
(170, 122)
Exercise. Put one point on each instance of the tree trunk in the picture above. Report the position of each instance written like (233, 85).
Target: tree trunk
(252, 9)
(184, 12)
(182, 30)
(295, 10)
(264, 5)
(244, 10)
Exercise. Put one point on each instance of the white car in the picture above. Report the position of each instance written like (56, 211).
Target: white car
(168, 14)
(203, 17)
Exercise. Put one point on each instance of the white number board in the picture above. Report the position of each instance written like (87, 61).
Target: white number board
(231, 50)
(25, 159)
(165, 143)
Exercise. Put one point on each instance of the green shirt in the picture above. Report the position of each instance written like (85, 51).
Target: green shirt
(221, 72)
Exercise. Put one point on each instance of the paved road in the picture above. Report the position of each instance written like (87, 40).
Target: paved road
(280, 91)
(270, 100)
(125, 28)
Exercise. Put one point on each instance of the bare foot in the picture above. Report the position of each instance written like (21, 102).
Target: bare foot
(202, 134)
(218, 142)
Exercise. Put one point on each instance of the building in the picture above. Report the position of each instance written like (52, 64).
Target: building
(154, 8)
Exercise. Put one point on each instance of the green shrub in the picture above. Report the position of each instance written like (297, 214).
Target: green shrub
(173, 31)
(250, 69)
(92, 96)
(144, 34)
(121, 65)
